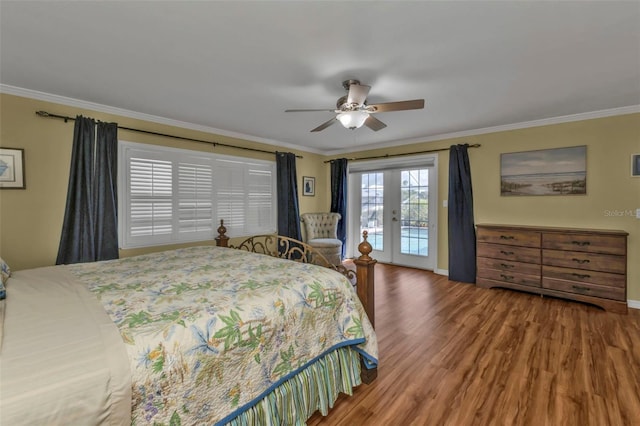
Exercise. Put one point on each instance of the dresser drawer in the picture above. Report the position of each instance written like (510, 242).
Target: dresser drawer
(509, 237)
(510, 277)
(606, 244)
(585, 261)
(509, 266)
(591, 277)
(584, 289)
(506, 252)
(588, 265)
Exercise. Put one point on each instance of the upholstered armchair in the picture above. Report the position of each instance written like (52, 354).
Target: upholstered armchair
(322, 234)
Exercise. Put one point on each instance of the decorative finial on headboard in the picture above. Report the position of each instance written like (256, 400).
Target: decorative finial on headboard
(221, 229)
(364, 247)
(221, 239)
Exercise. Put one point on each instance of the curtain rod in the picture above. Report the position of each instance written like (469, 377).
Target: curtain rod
(475, 145)
(148, 132)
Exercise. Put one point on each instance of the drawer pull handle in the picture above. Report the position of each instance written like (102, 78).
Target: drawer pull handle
(581, 243)
(581, 276)
(581, 288)
(506, 277)
(508, 253)
(507, 266)
(580, 261)
(507, 237)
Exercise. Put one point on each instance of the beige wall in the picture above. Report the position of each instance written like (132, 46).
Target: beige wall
(612, 194)
(30, 220)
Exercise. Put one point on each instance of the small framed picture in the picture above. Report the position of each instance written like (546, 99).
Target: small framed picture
(12, 168)
(308, 186)
(635, 165)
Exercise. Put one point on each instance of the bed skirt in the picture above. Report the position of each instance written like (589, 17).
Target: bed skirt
(315, 388)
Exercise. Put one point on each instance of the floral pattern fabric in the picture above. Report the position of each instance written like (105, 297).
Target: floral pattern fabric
(5, 273)
(210, 331)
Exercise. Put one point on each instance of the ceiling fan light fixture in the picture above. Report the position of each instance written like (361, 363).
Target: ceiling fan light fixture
(353, 119)
(353, 111)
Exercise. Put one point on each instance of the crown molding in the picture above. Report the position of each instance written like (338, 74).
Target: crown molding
(86, 105)
(631, 109)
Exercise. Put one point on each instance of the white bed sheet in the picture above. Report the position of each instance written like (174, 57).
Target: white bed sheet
(44, 377)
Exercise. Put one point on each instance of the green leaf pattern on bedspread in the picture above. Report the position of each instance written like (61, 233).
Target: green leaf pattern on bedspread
(209, 330)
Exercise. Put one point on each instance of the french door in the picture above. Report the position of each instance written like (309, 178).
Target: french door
(397, 207)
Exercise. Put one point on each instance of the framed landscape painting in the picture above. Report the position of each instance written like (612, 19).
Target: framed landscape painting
(559, 171)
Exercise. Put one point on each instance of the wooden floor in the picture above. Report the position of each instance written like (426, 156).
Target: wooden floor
(454, 354)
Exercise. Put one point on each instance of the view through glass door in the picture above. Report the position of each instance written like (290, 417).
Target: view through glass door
(396, 208)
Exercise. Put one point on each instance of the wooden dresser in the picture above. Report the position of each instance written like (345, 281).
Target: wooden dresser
(580, 264)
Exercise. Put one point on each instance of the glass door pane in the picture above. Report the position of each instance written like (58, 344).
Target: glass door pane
(372, 208)
(414, 212)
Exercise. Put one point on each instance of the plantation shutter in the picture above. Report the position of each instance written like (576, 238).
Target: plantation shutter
(151, 202)
(171, 195)
(261, 200)
(245, 196)
(195, 198)
(230, 195)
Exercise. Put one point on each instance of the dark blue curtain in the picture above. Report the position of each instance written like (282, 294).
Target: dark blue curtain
(287, 181)
(89, 230)
(339, 197)
(462, 232)
(105, 192)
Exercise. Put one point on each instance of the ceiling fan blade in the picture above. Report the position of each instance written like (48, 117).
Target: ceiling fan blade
(324, 125)
(308, 110)
(374, 124)
(396, 106)
(357, 93)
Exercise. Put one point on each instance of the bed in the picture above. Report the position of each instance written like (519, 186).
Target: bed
(201, 335)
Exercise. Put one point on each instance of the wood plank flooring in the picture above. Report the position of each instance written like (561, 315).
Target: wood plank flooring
(454, 354)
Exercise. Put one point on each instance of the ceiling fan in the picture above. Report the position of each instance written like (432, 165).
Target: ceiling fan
(353, 112)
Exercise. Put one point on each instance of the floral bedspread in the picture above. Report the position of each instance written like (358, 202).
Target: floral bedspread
(209, 331)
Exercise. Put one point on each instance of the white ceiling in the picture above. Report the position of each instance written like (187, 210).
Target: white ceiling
(237, 65)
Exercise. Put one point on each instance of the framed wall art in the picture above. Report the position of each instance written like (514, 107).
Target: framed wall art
(12, 168)
(308, 186)
(635, 165)
(558, 171)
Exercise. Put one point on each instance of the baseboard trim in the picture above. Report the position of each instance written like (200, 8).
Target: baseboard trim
(444, 272)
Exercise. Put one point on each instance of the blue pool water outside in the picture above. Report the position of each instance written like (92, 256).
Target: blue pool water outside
(412, 240)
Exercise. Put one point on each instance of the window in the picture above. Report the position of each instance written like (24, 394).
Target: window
(169, 195)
